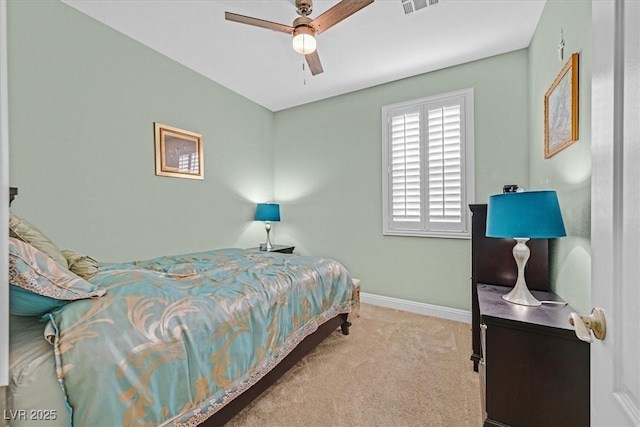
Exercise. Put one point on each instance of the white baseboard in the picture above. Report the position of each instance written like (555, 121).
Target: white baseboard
(417, 307)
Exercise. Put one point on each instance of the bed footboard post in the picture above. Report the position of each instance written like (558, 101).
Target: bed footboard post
(345, 324)
(4, 405)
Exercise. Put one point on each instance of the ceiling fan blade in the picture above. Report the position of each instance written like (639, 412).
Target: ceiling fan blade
(313, 60)
(337, 13)
(258, 22)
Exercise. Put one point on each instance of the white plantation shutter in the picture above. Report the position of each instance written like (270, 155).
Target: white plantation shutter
(428, 166)
(405, 166)
(445, 164)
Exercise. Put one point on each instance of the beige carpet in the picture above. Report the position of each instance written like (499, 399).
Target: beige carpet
(394, 369)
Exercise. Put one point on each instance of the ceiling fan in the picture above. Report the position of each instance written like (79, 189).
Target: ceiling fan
(304, 29)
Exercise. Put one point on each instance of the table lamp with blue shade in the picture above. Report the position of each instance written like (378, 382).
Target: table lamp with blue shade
(268, 212)
(523, 216)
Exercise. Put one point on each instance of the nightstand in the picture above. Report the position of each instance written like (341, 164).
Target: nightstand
(534, 369)
(284, 249)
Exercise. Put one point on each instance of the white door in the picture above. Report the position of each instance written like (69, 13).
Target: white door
(4, 207)
(615, 210)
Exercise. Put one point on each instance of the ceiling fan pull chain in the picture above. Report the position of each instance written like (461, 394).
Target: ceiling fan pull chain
(304, 79)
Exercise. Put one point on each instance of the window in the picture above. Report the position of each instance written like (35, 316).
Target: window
(428, 166)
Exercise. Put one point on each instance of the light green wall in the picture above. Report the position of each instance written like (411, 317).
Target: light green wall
(83, 99)
(328, 178)
(569, 171)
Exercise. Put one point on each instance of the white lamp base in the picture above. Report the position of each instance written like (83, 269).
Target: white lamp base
(520, 293)
(268, 228)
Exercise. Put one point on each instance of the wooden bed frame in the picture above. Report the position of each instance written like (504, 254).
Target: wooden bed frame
(309, 343)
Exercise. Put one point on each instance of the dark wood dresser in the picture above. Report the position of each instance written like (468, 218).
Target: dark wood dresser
(13, 192)
(492, 263)
(535, 371)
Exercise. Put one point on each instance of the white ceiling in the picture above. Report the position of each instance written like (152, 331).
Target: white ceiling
(376, 45)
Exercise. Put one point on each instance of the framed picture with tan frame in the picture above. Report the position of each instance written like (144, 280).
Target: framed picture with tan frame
(561, 110)
(178, 152)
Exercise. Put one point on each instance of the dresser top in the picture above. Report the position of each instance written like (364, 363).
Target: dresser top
(547, 315)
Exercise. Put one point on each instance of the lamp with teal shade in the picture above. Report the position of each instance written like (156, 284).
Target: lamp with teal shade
(523, 216)
(268, 212)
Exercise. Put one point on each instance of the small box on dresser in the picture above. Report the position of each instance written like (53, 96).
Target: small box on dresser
(534, 369)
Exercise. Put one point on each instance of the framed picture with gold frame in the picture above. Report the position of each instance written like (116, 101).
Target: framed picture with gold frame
(178, 152)
(561, 110)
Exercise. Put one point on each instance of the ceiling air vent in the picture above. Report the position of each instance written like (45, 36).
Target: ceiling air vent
(415, 5)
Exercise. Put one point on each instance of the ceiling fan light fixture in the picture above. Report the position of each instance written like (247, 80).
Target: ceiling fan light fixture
(304, 29)
(304, 41)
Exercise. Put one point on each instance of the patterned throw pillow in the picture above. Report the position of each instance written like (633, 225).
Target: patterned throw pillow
(83, 265)
(48, 285)
(29, 233)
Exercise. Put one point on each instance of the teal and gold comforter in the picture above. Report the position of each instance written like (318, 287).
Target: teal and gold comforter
(176, 338)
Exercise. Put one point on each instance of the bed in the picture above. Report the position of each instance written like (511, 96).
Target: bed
(177, 340)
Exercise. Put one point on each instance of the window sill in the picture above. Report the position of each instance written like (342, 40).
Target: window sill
(433, 234)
